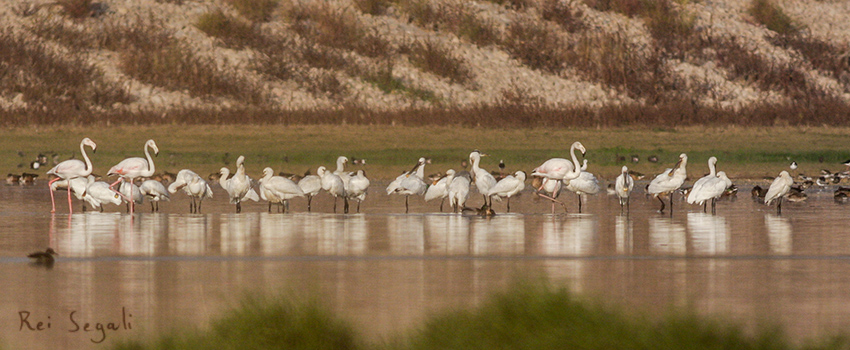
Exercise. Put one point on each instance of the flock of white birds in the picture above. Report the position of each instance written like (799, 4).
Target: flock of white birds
(554, 175)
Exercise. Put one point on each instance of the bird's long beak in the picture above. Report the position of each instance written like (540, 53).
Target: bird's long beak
(678, 164)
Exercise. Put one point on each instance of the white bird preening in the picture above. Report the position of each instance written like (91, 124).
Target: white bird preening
(669, 181)
(778, 189)
(155, 192)
(484, 181)
(278, 189)
(357, 187)
(410, 183)
(440, 188)
(331, 183)
(585, 183)
(70, 169)
(459, 190)
(508, 187)
(238, 187)
(131, 193)
(623, 186)
(131, 168)
(193, 185)
(99, 193)
(709, 187)
(558, 170)
(310, 185)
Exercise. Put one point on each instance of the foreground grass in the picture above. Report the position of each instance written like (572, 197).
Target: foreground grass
(743, 152)
(525, 317)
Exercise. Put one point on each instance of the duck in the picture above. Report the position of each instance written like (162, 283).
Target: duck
(44, 258)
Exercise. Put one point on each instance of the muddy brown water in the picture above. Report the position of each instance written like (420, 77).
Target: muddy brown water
(138, 276)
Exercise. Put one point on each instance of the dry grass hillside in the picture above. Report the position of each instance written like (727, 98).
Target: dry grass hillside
(549, 63)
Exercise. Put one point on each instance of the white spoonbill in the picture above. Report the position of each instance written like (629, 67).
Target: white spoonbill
(459, 190)
(440, 188)
(484, 181)
(134, 167)
(357, 187)
(193, 185)
(778, 189)
(410, 183)
(72, 168)
(99, 193)
(708, 187)
(623, 186)
(585, 183)
(331, 183)
(669, 181)
(278, 189)
(238, 187)
(558, 170)
(508, 187)
(155, 192)
(310, 185)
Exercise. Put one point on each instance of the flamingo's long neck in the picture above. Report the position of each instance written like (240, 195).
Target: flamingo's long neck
(86, 157)
(151, 167)
(574, 173)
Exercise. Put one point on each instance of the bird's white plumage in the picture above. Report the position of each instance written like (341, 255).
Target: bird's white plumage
(484, 181)
(459, 190)
(509, 186)
(671, 179)
(704, 188)
(623, 185)
(277, 189)
(781, 186)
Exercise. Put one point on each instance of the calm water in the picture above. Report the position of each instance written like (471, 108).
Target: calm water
(386, 270)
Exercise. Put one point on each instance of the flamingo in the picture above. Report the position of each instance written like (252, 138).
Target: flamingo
(708, 187)
(76, 185)
(669, 181)
(134, 167)
(310, 185)
(558, 170)
(410, 183)
(623, 186)
(331, 183)
(585, 183)
(278, 189)
(239, 186)
(194, 186)
(358, 184)
(508, 186)
(70, 169)
(155, 192)
(440, 188)
(484, 181)
(459, 190)
(779, 188)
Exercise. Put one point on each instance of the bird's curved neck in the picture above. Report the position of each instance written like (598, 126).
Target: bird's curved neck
(572, 174)
(712, 169)
(223, 179)
(420, 171)
(151, 168)
(340, 166)
(86, 157)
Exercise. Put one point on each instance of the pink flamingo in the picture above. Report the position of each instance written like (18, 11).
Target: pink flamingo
(70, 169)
(134, 167)
(560, 170)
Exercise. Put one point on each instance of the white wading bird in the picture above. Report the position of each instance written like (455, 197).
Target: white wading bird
(669, 181)
(70, 169)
